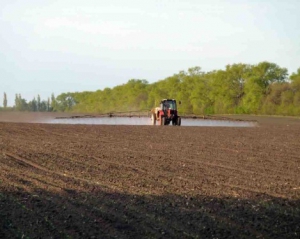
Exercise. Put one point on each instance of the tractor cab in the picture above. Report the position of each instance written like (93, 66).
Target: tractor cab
(168, 104)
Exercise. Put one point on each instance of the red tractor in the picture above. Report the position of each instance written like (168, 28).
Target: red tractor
(167, 113)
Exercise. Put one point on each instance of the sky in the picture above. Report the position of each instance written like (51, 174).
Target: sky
(59, 46)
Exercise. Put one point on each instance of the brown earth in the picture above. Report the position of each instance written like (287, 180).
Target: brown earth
(87, 181)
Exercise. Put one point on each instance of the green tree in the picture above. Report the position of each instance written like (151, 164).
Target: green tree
(295, 85)
(65, 102)
(38, 103)
(48, 104)
(221, 91)
(17, 101)
(295, 80)
(32, 105)
(258, 82)
(4, 100)
(43, 106)
(195, 89)
(20, 104)
(186, 85)
(253, 99)
(266, 73)
(54, 106)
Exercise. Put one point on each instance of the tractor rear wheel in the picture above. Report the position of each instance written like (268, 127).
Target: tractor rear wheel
(178, 121)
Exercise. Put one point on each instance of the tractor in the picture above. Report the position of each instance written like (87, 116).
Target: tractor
(166, 113)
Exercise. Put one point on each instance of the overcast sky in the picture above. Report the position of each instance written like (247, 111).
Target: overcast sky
(74, 45)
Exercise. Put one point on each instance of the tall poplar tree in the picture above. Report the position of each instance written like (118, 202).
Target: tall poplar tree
(48, 104)
(4, 100)
(38, 103)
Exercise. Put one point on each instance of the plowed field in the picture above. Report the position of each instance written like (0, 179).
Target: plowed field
(88, 181)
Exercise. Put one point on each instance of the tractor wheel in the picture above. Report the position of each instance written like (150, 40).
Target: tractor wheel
(153, 119)
(163, 121)
(174, 122)
(178, 121)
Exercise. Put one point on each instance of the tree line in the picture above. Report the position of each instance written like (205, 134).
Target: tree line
(264, 88)
(35, 105)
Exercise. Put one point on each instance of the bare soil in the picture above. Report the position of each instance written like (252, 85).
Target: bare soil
(88, 181)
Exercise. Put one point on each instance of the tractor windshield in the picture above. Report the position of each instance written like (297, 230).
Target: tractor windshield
(169, 104)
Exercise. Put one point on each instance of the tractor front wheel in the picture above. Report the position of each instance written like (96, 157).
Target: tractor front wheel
(162, 120)
(153, 119)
